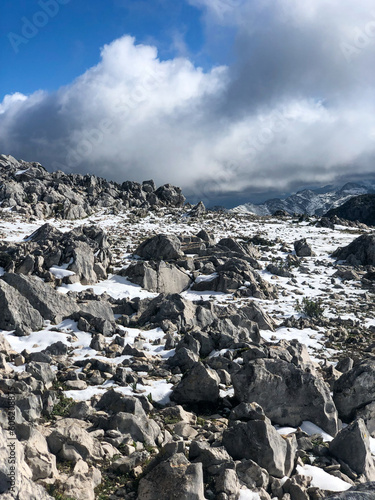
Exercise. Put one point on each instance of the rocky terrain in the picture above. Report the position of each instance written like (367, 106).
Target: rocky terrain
(360, 208)
(150, 350)
(309, 201)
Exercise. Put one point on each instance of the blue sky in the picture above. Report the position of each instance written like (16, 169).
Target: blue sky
(70, 41)
(232, 100)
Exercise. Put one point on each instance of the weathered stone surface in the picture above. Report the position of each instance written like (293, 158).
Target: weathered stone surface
(352, 446)
(259, 441)
(199, 385)
(355, 389)
(302, 248)
(160, 277)
(70, 441)
(160, 247)
(175, 477)
(361, 251)
(287, 394)
(24, 487)
(363, 491)
(17, 313)
(52, 305)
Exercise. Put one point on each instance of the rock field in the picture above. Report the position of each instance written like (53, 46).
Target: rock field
(152, 350)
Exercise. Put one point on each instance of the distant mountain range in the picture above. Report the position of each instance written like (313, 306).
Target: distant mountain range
(311, 202)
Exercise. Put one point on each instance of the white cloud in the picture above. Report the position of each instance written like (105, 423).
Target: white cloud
(291, 109)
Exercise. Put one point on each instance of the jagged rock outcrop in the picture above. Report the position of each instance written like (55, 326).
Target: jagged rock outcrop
(28, 188)
(160, 277)
(287, 394)
(360, 208)
(360, 252)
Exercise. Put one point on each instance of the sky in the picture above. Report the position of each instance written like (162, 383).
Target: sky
(233, 100)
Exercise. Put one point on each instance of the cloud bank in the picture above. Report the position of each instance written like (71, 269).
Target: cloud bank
(296, 107)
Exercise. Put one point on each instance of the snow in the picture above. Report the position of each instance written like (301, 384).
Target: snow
(248, 495)
(309, 427)
(116, 286)
(61, 272)
(20, 172)
(160, 391)
(322, 479)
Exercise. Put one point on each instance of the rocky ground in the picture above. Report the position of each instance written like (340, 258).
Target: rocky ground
(152, 350)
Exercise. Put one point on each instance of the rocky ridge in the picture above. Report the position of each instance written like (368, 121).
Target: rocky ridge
(178, 353)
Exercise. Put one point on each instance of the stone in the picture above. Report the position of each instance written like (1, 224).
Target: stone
(259, 441)
(302, 248)
(52, 305)
(361, 251)
(160, 247)
(70, 441)
(201, 451)
(363, 491)
(160, 277)
(42, 372)
(287, 394)
(24, 488)
(352, 446)
(42, 463)
(17, 313)
(199, 385)
(355, 389)
(176, 475)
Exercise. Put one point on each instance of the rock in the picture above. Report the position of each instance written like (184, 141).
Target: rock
(251, 474)
(355, 389)
(359, 208)
(52, 305)
(198, 210)
(137, 427)
(259, 441)
(287, 394)
(42, 372)
(201, 451)
(352, 446)
(23, 487)
(160, 247)
(361, 251)
(160, 277)
(17, 313)
(82, 485)
(41, 462)
(70, 441)
(363, 491)
(302, 248)
(279, 271)
(228, 483)
(170, 195)
(199, 385)
(175, 475)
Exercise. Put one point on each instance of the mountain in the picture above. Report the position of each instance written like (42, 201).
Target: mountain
(311, 202)
(360, 208)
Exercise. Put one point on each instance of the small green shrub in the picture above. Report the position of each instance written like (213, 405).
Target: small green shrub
(310, 307)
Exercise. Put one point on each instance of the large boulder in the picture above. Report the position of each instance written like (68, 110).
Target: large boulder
(199, 385)
(302, 248)
(363, 491)
(17, 482)
(71, 441)
(287, 393)
(259, 441)
(355, 389)
(17, 313)
(52, 305)
(361, 251)
(160, 277)
(174, 478)
(160, 247)
(352, 446)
